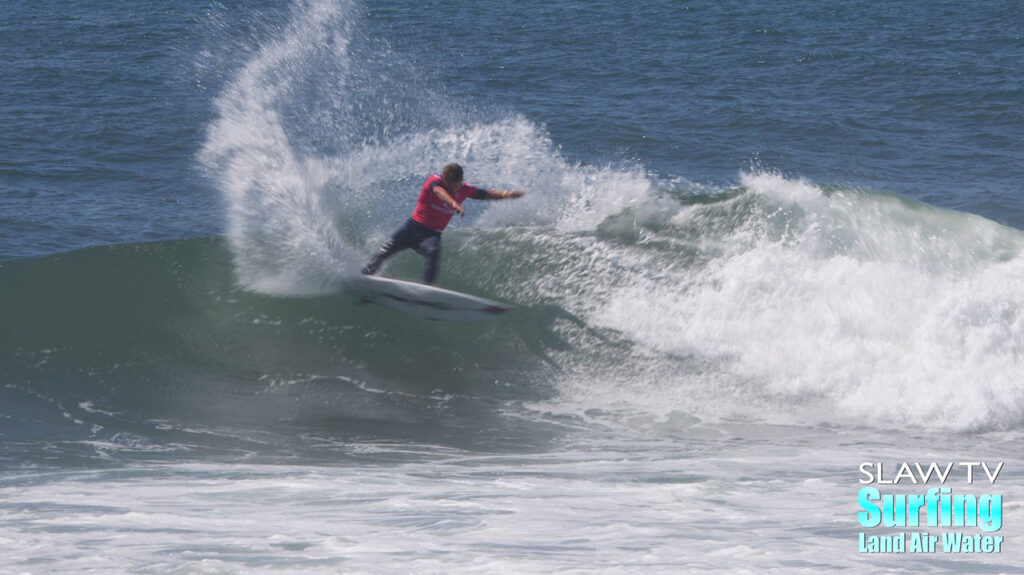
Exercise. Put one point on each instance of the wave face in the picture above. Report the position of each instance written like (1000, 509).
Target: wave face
(147, 349)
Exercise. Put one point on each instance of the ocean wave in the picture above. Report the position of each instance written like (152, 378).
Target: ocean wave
(774, 297)
(776, 300)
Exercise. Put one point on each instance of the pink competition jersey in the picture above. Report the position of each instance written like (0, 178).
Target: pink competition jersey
(431, 211)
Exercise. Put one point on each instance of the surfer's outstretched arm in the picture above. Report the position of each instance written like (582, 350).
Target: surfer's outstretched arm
(503, 194)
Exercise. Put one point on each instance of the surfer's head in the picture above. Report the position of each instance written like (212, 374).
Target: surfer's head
(452, 175)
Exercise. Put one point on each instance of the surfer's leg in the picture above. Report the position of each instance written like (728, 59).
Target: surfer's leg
(389, 249)
(430, 248)
(404, 238)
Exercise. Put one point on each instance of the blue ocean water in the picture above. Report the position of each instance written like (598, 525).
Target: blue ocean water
(762, 244)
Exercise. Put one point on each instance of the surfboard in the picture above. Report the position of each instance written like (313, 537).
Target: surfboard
(424, 301)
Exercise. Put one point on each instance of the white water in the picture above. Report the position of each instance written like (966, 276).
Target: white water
(730, 499)
(798, 304)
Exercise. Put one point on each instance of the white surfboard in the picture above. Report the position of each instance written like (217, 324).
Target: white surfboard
(424, 301)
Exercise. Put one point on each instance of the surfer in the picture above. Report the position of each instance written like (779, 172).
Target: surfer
(440, 199)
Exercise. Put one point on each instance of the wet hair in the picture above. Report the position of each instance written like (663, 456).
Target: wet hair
(452, 172)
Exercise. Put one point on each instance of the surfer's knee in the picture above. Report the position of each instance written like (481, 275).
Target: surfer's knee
(430, 247)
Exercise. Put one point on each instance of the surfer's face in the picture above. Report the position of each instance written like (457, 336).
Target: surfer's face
(453, 185)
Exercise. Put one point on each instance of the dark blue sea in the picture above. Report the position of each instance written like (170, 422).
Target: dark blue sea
(770, 256)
